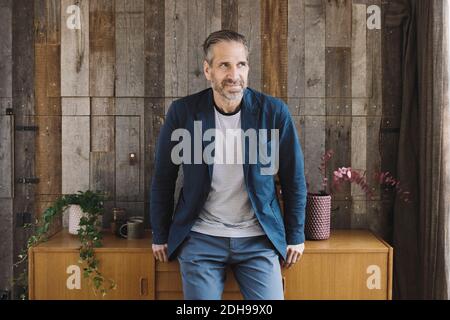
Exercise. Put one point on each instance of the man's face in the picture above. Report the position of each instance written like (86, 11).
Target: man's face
(228, 72)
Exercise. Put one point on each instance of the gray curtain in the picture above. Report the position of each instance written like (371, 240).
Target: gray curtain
(420, 228)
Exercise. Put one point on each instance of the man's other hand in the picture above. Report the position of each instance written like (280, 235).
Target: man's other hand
(160, 252)
(294, 253)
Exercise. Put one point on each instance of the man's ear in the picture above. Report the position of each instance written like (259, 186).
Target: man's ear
(206, 70)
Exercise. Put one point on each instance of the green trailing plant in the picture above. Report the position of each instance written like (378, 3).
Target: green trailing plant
(89, 233)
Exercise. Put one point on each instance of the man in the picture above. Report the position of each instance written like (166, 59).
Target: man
(227, 212)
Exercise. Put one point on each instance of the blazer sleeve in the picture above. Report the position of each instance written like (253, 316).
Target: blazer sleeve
(292, 179)
(164, 180)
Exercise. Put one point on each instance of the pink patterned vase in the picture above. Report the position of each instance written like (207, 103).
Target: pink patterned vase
(318, 217)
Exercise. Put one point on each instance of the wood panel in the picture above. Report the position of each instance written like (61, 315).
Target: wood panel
(379, 218)
(102, 124)
(249, 24)
(229, 14)
(296, 48)
(339, 106)
(203, 18)
(101, 48)
(76, 107)
(300, 125)
(359, 159)
(130, 58)
(314, 48)
(48, 154)
(296, 106)
(358, 220)
(153, 119)
(359, 51)
(6, 49)
(315, 106)
(53, 21)
(374, 155)
(6, 243)
(154, 50)
(74, 49)
(53, 70)
(338, 139)
(378, 215)
(359, 154)
(48, 104)
(23, 109)
(176, 48)
(40, 71)
(338, 72)
(360, 107)
(6, 149)
(314, 149)
(75, 144)
(6, 193)
(47, 91)
(129, 139)
(40, 22)
(274, 46)
(102, 173)
(375, 69)
(341, 212)
(339, 23)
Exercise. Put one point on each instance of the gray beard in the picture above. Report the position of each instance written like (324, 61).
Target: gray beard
(224, 94)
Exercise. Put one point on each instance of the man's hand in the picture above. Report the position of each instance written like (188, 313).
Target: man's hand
(160, 252)
(294, 253)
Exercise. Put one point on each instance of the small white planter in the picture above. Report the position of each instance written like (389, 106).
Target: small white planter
(75, 214)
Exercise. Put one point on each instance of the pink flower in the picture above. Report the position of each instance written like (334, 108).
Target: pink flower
(348, 174)
(341, 172)
(344, 174)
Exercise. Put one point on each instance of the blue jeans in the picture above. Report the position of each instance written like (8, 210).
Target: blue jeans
(203, 261)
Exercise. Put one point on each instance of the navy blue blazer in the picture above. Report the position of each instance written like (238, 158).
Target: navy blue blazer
(258, 111)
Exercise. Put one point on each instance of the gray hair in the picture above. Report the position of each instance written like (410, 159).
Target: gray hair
(218, 36)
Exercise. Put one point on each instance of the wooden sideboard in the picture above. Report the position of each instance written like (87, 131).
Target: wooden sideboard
(352, 264)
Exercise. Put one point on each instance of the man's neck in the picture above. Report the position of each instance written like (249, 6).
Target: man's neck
(227, 106)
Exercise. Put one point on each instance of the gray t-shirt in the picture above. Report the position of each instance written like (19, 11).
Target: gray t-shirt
(227, 211)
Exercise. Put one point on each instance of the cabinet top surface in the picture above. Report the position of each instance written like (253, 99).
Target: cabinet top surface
(339, 241)
(64, 241)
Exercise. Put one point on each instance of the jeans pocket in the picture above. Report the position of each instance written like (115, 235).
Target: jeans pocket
(183, 244)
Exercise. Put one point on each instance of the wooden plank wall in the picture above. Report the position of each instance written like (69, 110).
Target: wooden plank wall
(105, 72)
(47, 90)
(130, 59)
(24, 142)
(6, 146)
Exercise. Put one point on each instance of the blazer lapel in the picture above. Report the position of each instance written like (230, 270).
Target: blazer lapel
(249, 120)
(206, 115)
